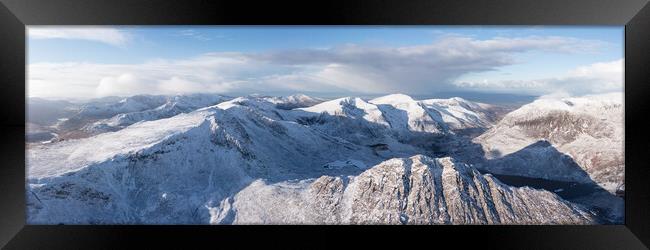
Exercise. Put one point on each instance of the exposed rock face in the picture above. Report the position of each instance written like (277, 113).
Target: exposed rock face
(247, 161)
(589, 130)
(415, 190)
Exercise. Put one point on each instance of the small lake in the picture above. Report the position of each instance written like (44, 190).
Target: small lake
(565, 189)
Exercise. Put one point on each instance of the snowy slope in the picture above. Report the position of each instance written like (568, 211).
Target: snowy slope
(415, 190)
(174, 105)
(96, 109)
(458, 113)
(169, 170)
(125, 105)
(249, 160)
(588, 130)
(293, 101)
(405, 118)
(395, 119)
(402, 112)
(218, 190)
(71, 155)
(353, 107)
(350, 118)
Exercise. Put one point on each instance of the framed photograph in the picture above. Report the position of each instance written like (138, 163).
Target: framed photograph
(499, 124)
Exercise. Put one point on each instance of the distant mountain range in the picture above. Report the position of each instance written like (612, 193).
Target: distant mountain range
(210, 159)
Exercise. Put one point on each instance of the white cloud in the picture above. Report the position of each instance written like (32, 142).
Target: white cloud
(350, 68)
(111, 36)
(598, 77)
(421, 68)
(610, 71)
(124, 84)
(216, 73)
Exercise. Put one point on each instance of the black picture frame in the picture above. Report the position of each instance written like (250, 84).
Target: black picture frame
(16, 14)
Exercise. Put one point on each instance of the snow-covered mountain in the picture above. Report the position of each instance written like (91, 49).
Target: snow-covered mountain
(293, 101)
(397, 117)
(570, 139)
(353, 107)
(125, 105)
(415, 190)
(460, 114)
(173, 105)
(165, 170)
(94, 110)
(250, 160)
(350, 118)
(111, 114)
(203, 168)
(401, 112)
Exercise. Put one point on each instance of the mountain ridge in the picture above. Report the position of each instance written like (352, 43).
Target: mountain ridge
(201, 167)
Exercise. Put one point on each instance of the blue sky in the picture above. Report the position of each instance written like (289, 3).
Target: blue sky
(75, 61)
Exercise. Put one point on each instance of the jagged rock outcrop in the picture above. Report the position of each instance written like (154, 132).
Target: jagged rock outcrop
(249, 161)
(415, 190)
